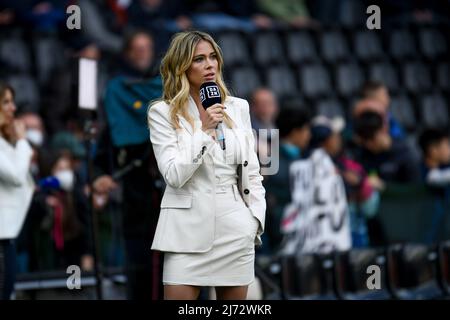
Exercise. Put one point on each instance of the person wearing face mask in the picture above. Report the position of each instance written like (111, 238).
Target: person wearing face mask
(34, 126)
(69, 227)
(16, 186)
(25, 244)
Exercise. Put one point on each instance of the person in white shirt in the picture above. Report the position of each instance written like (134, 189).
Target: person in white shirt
(213, 208)
(16, 186)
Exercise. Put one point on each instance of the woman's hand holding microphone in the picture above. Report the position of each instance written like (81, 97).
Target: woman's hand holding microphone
(212, 117)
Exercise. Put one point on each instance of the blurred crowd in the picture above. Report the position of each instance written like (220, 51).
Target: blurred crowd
(369, 149)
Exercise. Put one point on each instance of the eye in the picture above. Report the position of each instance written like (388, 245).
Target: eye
(198, 59)
(214, 56)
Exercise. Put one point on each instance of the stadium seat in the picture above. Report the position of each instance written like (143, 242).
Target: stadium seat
(294, 103)
(300, 47)
(15, 54)
(396, 206)
(315, 81)
(352, 14)
(444, 266)
(434, 111)
(402, 45)
(367, 46)
(234, 48)
(330, 108)
(412, 143)
(416, 77)
(307, 276)
(403, 111)
(443, 76)
(27, 93)
(268, 49)
(282, 81)
(432, 43)
(386, 73)
(349, 79)
(352, 274)
(334, 47)
(244, 80)
(413, 272)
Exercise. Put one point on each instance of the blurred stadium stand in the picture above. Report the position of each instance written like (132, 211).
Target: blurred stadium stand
(322, 70)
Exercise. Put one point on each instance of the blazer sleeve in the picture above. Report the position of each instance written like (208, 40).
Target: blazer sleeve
(178, 155)
(257, 191)
(14, 171)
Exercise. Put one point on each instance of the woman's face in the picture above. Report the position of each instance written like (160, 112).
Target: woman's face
(62, 164)
(8, 107)
(204, 66)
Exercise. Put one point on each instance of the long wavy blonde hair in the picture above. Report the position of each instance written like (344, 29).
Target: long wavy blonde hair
(174, 65)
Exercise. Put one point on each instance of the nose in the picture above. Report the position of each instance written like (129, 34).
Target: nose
(209, 63)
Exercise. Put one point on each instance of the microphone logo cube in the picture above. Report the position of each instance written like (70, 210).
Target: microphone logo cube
(202, 95)
(213, 92)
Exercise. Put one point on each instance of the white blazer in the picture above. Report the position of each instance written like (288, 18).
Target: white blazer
(186, 221)
(16, 186)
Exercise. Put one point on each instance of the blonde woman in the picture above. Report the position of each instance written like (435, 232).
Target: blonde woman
(16, 186)
(213, 208)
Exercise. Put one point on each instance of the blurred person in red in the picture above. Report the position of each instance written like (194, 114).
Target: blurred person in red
(67, 220)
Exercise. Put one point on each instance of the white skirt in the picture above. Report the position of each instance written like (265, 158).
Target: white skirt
(231, 260)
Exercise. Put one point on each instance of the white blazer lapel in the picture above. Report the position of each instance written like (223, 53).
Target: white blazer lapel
(192, 109)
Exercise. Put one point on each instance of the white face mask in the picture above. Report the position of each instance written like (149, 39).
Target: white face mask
(66, 179)
(35, 137)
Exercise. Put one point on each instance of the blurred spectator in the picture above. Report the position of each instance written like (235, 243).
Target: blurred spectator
(124, 147)
(138, 56)
(44, 15)
(214, 16)
(35, 128)
(436, 157)
(388, 160)
(377, 91)
(435, 169)
(98, 27)
(7, 14)
(27, 249)
(161, 18)
(264, 109)
(68, 222)
(374, 148)
(293, 12)
(361, 190)
(263, 112)
(60, 99)
(16, 187)
(294, 132)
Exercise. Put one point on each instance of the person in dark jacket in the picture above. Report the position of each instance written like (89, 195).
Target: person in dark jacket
(294, 134)
(124, 144)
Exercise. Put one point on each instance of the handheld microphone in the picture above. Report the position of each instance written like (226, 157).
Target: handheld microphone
(210, 95)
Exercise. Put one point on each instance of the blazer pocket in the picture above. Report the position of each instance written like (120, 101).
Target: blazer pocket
(176, 200)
